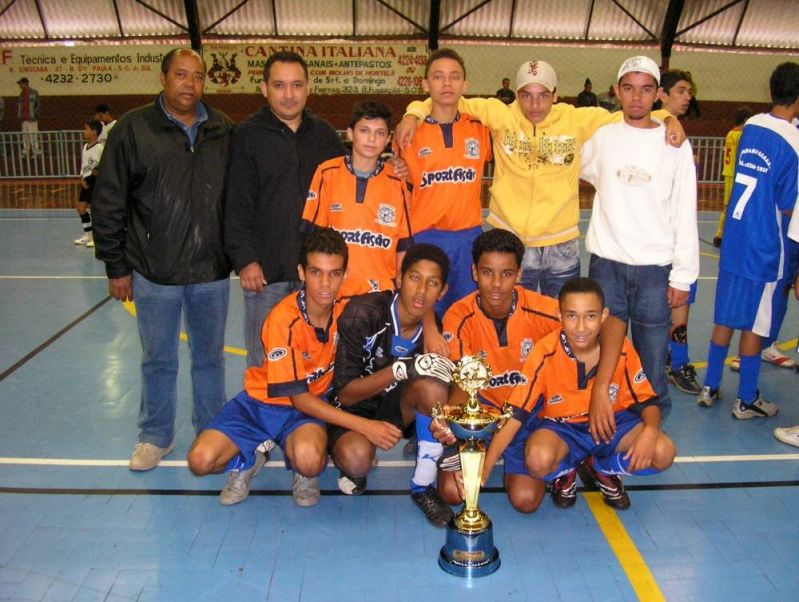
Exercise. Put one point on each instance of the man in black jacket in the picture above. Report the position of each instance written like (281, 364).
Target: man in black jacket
(274, 155)
(158, 227)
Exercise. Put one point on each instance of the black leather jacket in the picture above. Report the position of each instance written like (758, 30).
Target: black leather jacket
(158, 203)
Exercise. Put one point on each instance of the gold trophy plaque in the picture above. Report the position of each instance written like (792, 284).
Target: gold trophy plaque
(469, 550)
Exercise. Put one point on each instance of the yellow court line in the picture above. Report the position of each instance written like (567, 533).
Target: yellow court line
(131, 309)
(630, 559)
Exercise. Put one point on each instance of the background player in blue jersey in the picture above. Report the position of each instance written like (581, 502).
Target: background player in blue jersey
(758, 260)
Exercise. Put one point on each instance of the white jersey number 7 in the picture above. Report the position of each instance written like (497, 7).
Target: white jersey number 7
(750, 184)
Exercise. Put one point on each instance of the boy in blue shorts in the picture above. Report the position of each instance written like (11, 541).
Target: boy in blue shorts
(554, 405)
(284, 399)
(502, 321)
(758, 261)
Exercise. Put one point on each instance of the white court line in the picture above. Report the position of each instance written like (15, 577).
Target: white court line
(383, 463)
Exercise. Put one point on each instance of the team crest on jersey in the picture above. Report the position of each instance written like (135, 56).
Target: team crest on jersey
(639, 376)
(311, 195)
(632, 175)
(556, 398)
(613, 392)
(336, 208)
(306, 356)
(424, 151)
(527, 346)
(447, 336)
(472, 148)
(386, 215)
(276, 354)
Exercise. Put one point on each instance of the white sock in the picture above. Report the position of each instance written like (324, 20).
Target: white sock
(426, 468)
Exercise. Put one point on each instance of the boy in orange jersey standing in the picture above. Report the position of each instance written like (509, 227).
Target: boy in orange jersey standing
(446, 159)
(359, 196)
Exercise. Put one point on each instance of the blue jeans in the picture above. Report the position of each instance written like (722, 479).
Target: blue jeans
(256, 308)
(639, 295)
(550, 267)
(158, 311)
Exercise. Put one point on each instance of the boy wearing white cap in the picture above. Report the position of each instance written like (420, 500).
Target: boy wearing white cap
(642, 236)
(537, 144)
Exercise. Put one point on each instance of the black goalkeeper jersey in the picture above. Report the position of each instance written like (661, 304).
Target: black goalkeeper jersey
(368, 329)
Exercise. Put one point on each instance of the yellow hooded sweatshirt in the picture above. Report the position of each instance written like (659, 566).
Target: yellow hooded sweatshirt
(537, 167)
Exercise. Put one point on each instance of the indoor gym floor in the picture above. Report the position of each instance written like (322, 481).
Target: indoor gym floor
(76, 524)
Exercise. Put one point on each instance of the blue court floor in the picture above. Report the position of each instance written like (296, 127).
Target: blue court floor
(76, 524)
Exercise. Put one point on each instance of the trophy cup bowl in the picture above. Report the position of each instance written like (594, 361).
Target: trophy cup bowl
(469, 549)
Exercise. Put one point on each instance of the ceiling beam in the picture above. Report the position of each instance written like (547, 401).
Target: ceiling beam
(634, 19)
(588, 21)
(41, 19)
(119, 19)
(740, 22)
(225, 16)
(667, 35)
(512, 18)
(404, 17)
(474, 9)
(193, 21)
(9, 5)
(708, 17)
(435, 21)
(162, 15)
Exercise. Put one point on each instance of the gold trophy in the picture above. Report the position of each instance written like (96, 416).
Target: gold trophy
(469, 550)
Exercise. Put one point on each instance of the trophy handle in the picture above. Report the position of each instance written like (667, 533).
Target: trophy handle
(507, 413)
(437, 413)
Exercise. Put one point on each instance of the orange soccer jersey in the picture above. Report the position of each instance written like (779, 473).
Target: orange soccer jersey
(560, 386)
(299, 357)
(446, 163)
(372, 215)
(505, 344)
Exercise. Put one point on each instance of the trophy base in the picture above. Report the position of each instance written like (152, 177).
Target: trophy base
(469, 555)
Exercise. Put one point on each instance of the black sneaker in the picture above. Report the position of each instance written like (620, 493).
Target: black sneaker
(351, 485)
(434, 507)
(610, 486)
(564, 490)
(685, 380)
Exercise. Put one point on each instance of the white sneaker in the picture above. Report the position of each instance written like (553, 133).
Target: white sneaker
(759, 408)
(707, 396)
(237, 487)
(90, 244)
(305, 490)
(147, 456)
(772, 355)
(789, 435)
(82, 240)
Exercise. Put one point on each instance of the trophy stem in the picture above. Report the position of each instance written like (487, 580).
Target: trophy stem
(472, 454)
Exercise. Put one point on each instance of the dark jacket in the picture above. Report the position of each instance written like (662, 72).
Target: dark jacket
(158, 203)
(271, 169)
